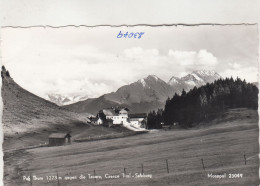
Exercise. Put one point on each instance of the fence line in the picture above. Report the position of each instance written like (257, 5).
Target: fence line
(165, 167)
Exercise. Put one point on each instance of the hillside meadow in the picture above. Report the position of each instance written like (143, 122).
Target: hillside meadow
(223, 146)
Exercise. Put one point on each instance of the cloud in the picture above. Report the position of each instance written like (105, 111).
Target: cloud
(192, 59)
(138, 52)
(248, 73)
(206, 58)
(184, 58)
(234, 65)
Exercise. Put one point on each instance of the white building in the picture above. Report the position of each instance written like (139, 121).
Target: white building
(117, 115)
(138, 120)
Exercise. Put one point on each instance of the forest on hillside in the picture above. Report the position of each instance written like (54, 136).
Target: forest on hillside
(205, 103)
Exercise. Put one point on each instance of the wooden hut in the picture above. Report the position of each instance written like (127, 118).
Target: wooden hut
(58, 139)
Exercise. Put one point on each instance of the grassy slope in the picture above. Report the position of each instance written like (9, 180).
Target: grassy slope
(221, 146)
(28, 119)
(24, 111)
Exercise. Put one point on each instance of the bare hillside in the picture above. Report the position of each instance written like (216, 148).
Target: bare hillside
(24, 111)
(28, 119)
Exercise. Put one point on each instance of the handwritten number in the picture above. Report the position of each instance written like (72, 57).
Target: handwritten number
(130, 35)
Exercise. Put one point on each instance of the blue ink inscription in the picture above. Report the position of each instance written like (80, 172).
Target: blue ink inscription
(130, 35)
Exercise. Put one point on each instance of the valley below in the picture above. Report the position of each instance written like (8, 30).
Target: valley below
(226, 145)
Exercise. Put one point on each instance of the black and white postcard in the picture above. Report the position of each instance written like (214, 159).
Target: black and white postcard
(139, 105)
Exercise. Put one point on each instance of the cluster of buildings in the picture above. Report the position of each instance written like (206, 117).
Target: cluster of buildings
(108, 117)
(119, 116)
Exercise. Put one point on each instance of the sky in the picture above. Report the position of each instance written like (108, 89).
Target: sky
(93, 61)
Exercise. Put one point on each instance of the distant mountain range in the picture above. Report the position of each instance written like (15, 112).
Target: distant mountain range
(60, 99)
(146, 94)
(196, 78)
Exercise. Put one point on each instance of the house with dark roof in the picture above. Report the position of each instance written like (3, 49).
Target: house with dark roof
(138, 120)
(58, 139)
(95, 120)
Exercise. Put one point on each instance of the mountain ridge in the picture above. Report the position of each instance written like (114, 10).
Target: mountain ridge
(145, 94)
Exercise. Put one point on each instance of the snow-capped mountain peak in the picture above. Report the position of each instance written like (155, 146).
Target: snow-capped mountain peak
(192, 77)
(174, 80)
(142, 81)
(207, 75)
(65, 99)
(152, 77)
(196, 78)
(205, 72)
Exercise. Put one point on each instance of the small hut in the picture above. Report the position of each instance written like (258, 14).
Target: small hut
(58, 139)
